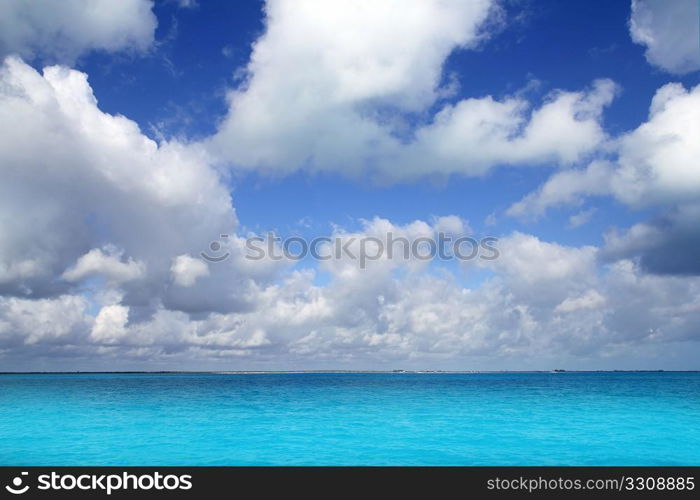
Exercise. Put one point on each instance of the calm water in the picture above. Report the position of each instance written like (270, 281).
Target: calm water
(339, 419)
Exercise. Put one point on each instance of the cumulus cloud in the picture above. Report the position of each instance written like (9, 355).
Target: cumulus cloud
(566, 187)
(655, 164)
(659, 160)
(475, 135)
(186, 269)
(62, 31)
(530, 260)
(348, 87)
(669, 31)
(110, 324)
(106, 263)
(97, 184)
(319, 64)
(590, 300)
(545, 301)
(50, 322)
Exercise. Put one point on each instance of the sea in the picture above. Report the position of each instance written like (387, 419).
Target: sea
(160, 419)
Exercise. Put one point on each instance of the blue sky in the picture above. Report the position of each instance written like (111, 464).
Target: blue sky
(180, 90)
(566, 129)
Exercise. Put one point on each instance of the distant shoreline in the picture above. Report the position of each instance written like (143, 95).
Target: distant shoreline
(330, 372)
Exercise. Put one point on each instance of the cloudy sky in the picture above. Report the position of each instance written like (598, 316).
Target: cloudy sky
(135, 134)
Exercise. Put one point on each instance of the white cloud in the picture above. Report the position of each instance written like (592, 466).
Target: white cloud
(566, 187)
(106, 263)
(475, 135)
(60, 320)
(656, 164)
(452, 225)
(529, 260)
(110, 324)
(386, 246)
(554, 311)
(659, 160)
(323, 69)
(590, 300)
(62, 31)
(19, 269)
(186, 269)
(95, 180)
(669, 31)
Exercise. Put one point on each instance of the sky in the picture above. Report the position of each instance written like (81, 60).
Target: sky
(136, 134)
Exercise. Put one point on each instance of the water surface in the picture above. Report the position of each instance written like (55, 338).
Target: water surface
(351, 419)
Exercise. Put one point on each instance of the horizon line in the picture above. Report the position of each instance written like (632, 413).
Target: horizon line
(282, 372)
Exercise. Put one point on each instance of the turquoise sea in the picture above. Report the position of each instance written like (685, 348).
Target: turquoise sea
(351, 419)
